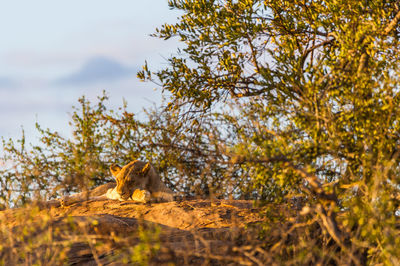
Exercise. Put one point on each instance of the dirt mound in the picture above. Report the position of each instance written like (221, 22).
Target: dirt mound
(110, 232)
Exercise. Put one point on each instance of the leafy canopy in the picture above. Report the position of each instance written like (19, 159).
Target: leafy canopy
(321, 78)
(316, 88)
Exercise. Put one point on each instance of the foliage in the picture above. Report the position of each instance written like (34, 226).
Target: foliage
(145, 249)
(36, 237)
(317, 89)
(183, 153)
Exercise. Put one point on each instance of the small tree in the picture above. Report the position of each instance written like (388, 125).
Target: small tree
(316, 83)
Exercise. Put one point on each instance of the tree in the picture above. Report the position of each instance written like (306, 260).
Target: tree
(317, 110)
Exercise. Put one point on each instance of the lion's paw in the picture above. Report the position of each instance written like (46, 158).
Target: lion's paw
(140, 195)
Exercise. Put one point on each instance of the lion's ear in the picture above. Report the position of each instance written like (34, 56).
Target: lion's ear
(115, 169)
(145, 169)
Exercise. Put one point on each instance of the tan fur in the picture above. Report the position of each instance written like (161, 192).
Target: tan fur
(95, 194)
(138, 181)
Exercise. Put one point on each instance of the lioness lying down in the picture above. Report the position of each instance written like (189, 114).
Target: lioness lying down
(137, 181)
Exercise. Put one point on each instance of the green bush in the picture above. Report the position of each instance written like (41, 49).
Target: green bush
(186, 154)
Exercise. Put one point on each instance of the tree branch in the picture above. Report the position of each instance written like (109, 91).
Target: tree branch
(364, 56)
(392, 24)
(309, 50)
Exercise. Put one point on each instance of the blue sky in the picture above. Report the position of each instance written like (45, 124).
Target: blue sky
(53, 52)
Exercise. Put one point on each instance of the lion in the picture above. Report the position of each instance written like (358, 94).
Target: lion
(137, 181)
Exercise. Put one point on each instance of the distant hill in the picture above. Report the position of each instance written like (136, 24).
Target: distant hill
(98, 69)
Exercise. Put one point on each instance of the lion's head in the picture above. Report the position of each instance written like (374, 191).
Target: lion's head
(130, 177)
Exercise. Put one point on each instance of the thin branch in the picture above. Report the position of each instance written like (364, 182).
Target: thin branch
(311, 49)
(364, 56)
(392, 24)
